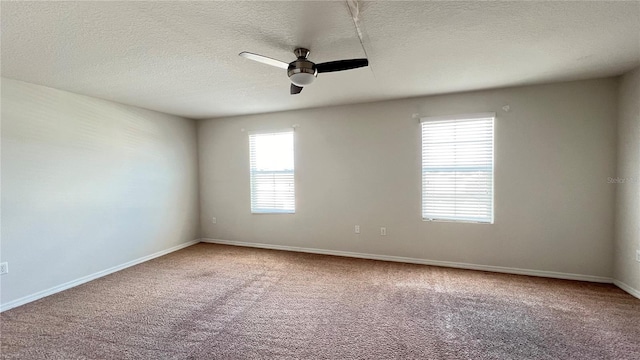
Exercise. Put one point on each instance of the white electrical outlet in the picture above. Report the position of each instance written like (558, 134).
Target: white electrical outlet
(357, 229)
(4, 268)
(214, 220)
(638, 255)
(383, 231)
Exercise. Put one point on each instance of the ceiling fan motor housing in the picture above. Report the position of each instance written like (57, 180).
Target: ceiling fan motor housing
(301, 71)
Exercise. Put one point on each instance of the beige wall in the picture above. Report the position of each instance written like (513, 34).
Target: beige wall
(627, 270)
(360, 164)
(88, 184)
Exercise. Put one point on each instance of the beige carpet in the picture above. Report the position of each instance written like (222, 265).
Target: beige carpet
(222, 302)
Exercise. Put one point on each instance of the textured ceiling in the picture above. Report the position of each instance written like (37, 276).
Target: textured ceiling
(182, 57)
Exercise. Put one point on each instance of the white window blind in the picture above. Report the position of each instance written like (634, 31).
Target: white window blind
(272, 172)
(457, 168)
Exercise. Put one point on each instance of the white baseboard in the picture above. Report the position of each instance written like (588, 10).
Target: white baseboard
(499, 269)
(84, 279)
(627, 288)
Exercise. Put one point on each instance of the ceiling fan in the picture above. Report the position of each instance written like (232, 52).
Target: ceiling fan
(301, 71)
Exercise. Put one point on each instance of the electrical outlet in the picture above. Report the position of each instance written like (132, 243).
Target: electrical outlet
(214, 220)
(638, 255)
(357, 229)
(383, 231)
(4, 268)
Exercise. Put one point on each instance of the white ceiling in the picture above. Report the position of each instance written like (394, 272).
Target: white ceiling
(182, 57)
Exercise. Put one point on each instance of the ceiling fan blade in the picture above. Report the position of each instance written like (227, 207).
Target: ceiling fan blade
(341, 65)
(295, 89)
(264, 60)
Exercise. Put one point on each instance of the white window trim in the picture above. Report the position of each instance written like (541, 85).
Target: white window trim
(266, 211)
(271, 131)
(472, 116)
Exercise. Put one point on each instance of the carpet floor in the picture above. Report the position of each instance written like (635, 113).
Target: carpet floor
(223, 302)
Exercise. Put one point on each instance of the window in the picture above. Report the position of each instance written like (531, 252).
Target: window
(457, 168)
(272, 175)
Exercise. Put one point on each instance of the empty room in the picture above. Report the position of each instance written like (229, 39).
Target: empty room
(320, 180)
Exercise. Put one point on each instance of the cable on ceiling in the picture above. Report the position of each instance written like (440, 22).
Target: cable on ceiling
(354, 10)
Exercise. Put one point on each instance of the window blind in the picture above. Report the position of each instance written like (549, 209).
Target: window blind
(457, 168)
(272, 172)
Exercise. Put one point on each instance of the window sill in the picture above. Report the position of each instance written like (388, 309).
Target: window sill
(458, 221)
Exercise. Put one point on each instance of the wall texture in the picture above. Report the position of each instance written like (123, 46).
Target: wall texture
(89, 184)
(360, 164)
(627, 270)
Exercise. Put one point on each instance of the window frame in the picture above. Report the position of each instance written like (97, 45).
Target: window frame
(256, 209)
(455, 198)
